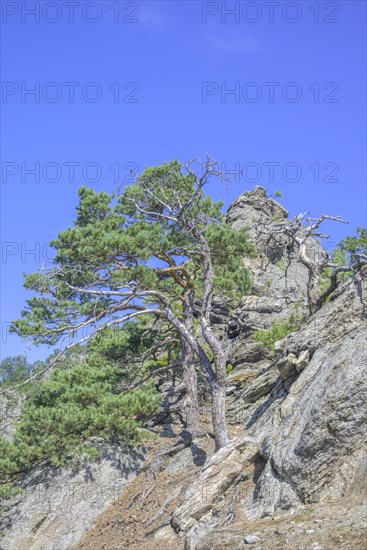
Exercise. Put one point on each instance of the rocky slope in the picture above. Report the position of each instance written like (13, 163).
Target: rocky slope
(308, 438)
(297, 437)
(58, 505)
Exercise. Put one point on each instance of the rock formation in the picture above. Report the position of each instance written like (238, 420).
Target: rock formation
(308, 436)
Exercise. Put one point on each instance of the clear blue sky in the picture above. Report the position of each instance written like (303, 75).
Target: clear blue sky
(173, 68)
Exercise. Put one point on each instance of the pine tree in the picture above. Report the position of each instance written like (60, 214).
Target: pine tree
(151, 251)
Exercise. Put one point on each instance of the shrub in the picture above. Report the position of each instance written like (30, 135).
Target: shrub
(278, 331)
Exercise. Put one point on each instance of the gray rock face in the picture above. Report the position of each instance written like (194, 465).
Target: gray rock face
(58, 506)
(254, 207)
(313, 436)
(255, 210)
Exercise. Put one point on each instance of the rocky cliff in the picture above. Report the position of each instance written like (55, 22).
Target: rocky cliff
(297, 425)
(308, 436)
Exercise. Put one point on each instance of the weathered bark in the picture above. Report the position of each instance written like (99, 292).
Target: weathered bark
(218, 392)
(190, 405)
(218, 380)
(312, 291)
(219, 417)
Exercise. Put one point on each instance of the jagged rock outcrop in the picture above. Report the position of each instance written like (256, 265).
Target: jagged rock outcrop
(57, 506)
(272, 292)
(301, 408)
(278, 292)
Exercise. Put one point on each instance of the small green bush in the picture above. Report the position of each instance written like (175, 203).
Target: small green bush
(278, 331)
(229, 368)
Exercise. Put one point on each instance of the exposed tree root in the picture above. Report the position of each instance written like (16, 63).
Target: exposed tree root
(156, 465)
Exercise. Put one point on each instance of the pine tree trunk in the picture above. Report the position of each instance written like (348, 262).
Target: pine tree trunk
(190, 407)
(191, 404)
(312, 292)
(217, 379)
(219, 417)
(217, 382)
(219, 403)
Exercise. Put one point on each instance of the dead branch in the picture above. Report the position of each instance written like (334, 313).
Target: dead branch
(154, 373)
(133, 499)
(298, 230)
(146, 493)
